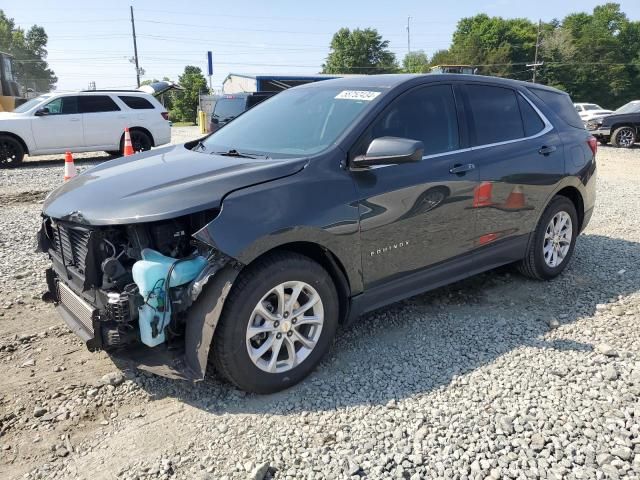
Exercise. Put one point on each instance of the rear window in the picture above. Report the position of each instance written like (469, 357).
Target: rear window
(561, 104)
(495, 113)
(97, 103)
(137, 103)
(530, 119)
(229, 107)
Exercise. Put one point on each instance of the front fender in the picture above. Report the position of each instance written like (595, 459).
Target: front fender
(301, 208)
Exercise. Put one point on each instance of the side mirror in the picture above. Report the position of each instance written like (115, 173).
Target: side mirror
(390, 150)
(42, 112)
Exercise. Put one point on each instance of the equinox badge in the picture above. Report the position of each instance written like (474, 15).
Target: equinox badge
(388, 248)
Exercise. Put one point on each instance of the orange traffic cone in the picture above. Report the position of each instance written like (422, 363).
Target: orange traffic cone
(128, 147)
(69, 166)
(515, 200)
(482, 195)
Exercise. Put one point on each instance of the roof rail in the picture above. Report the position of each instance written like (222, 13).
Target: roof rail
(113, 90)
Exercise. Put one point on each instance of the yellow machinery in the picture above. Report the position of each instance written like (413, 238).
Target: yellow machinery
(9, 90)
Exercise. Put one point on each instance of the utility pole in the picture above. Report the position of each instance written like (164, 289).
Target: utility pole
(535, 64)
(408, 35)
(135, 47)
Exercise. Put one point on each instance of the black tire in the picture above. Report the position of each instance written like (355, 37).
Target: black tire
(140, 141)
(230, 356)
(533, 265)
(11, 151)
(624, 137)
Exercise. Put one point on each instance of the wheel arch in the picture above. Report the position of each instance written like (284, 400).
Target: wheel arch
(18, 138)
(326, 259)
(573, 194)
(142, 129)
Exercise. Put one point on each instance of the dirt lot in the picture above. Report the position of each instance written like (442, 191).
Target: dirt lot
(493, 377)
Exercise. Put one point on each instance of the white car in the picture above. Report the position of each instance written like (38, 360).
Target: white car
(82, 122)
(587, 111)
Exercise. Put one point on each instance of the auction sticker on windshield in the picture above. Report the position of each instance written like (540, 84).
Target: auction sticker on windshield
(366, 95)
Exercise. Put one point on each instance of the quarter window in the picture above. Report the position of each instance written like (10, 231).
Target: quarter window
(427, 114)
(136, 103)
(97, 103)
(531, 120)
(495, 114)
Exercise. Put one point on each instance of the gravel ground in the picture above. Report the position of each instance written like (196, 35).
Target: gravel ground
(493, 377)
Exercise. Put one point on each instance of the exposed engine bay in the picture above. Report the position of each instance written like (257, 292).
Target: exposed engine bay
(133, 283)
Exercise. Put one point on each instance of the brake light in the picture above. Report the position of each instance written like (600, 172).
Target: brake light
(165, 115)
(593, 144)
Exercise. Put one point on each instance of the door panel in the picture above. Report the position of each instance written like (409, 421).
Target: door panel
(517, 175)
(414, 215)
(103, 121)
(60, 129)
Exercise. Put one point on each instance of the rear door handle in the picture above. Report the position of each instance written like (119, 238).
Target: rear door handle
(461, 169)
(547, 150)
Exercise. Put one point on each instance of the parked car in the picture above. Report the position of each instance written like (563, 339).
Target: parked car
(229, 107)
(587, 111)
(82, 122)
(249, 248)
(620, 128)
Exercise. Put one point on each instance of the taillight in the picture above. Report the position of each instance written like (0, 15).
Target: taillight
(593, 144)
(165, 115)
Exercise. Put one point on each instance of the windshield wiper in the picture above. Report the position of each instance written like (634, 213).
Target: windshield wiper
(235, 153)
(200, 146)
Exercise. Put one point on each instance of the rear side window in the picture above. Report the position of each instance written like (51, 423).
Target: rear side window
(530, 119)
(229, 107)
(97, 103)
(137, 103)
(495, 114)
(561, 104)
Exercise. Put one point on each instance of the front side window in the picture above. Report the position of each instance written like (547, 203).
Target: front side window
(63, 106)
(495, 114)
(427, 114)
(229, 107)
(97, 103)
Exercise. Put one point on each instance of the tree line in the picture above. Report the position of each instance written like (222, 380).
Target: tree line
(595, 56)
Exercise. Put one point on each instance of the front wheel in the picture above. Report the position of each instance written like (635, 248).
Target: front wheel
(277, 323)
(11, 151)
(623, 137)
(553, 241)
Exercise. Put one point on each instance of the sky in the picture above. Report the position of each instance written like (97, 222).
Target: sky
(91, 40)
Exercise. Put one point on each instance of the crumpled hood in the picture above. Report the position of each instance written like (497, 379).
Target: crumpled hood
(158, 185)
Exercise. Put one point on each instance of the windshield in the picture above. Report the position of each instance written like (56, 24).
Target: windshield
(630, 107)
(228, 108)
(300, 121)
(29, 104)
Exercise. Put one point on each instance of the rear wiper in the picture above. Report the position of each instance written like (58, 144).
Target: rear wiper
(235, 153)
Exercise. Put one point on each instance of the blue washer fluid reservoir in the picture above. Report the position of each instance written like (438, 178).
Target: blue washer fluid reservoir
(150, 274)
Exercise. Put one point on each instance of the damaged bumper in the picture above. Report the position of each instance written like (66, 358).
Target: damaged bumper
(104, 312)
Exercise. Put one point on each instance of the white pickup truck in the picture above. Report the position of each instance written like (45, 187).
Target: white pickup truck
(82, 122)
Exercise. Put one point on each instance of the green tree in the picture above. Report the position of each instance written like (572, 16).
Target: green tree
(185, 102)
(359, 51)
(415, 62)
(30, 53)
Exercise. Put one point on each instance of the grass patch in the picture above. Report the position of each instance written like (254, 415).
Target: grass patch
(183, 124)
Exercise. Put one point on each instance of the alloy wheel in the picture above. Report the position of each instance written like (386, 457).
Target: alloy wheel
(557, 239)
(625, 137)
(284, 327)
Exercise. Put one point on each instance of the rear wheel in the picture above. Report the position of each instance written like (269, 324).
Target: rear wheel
(11, 151)
(277, 323)
(553, 241)
(140, 141)
(623, 137)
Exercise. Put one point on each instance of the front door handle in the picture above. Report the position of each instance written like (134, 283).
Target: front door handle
(461, 169)
(547, 150)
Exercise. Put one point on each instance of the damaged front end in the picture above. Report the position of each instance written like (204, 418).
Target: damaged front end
(137, 290)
